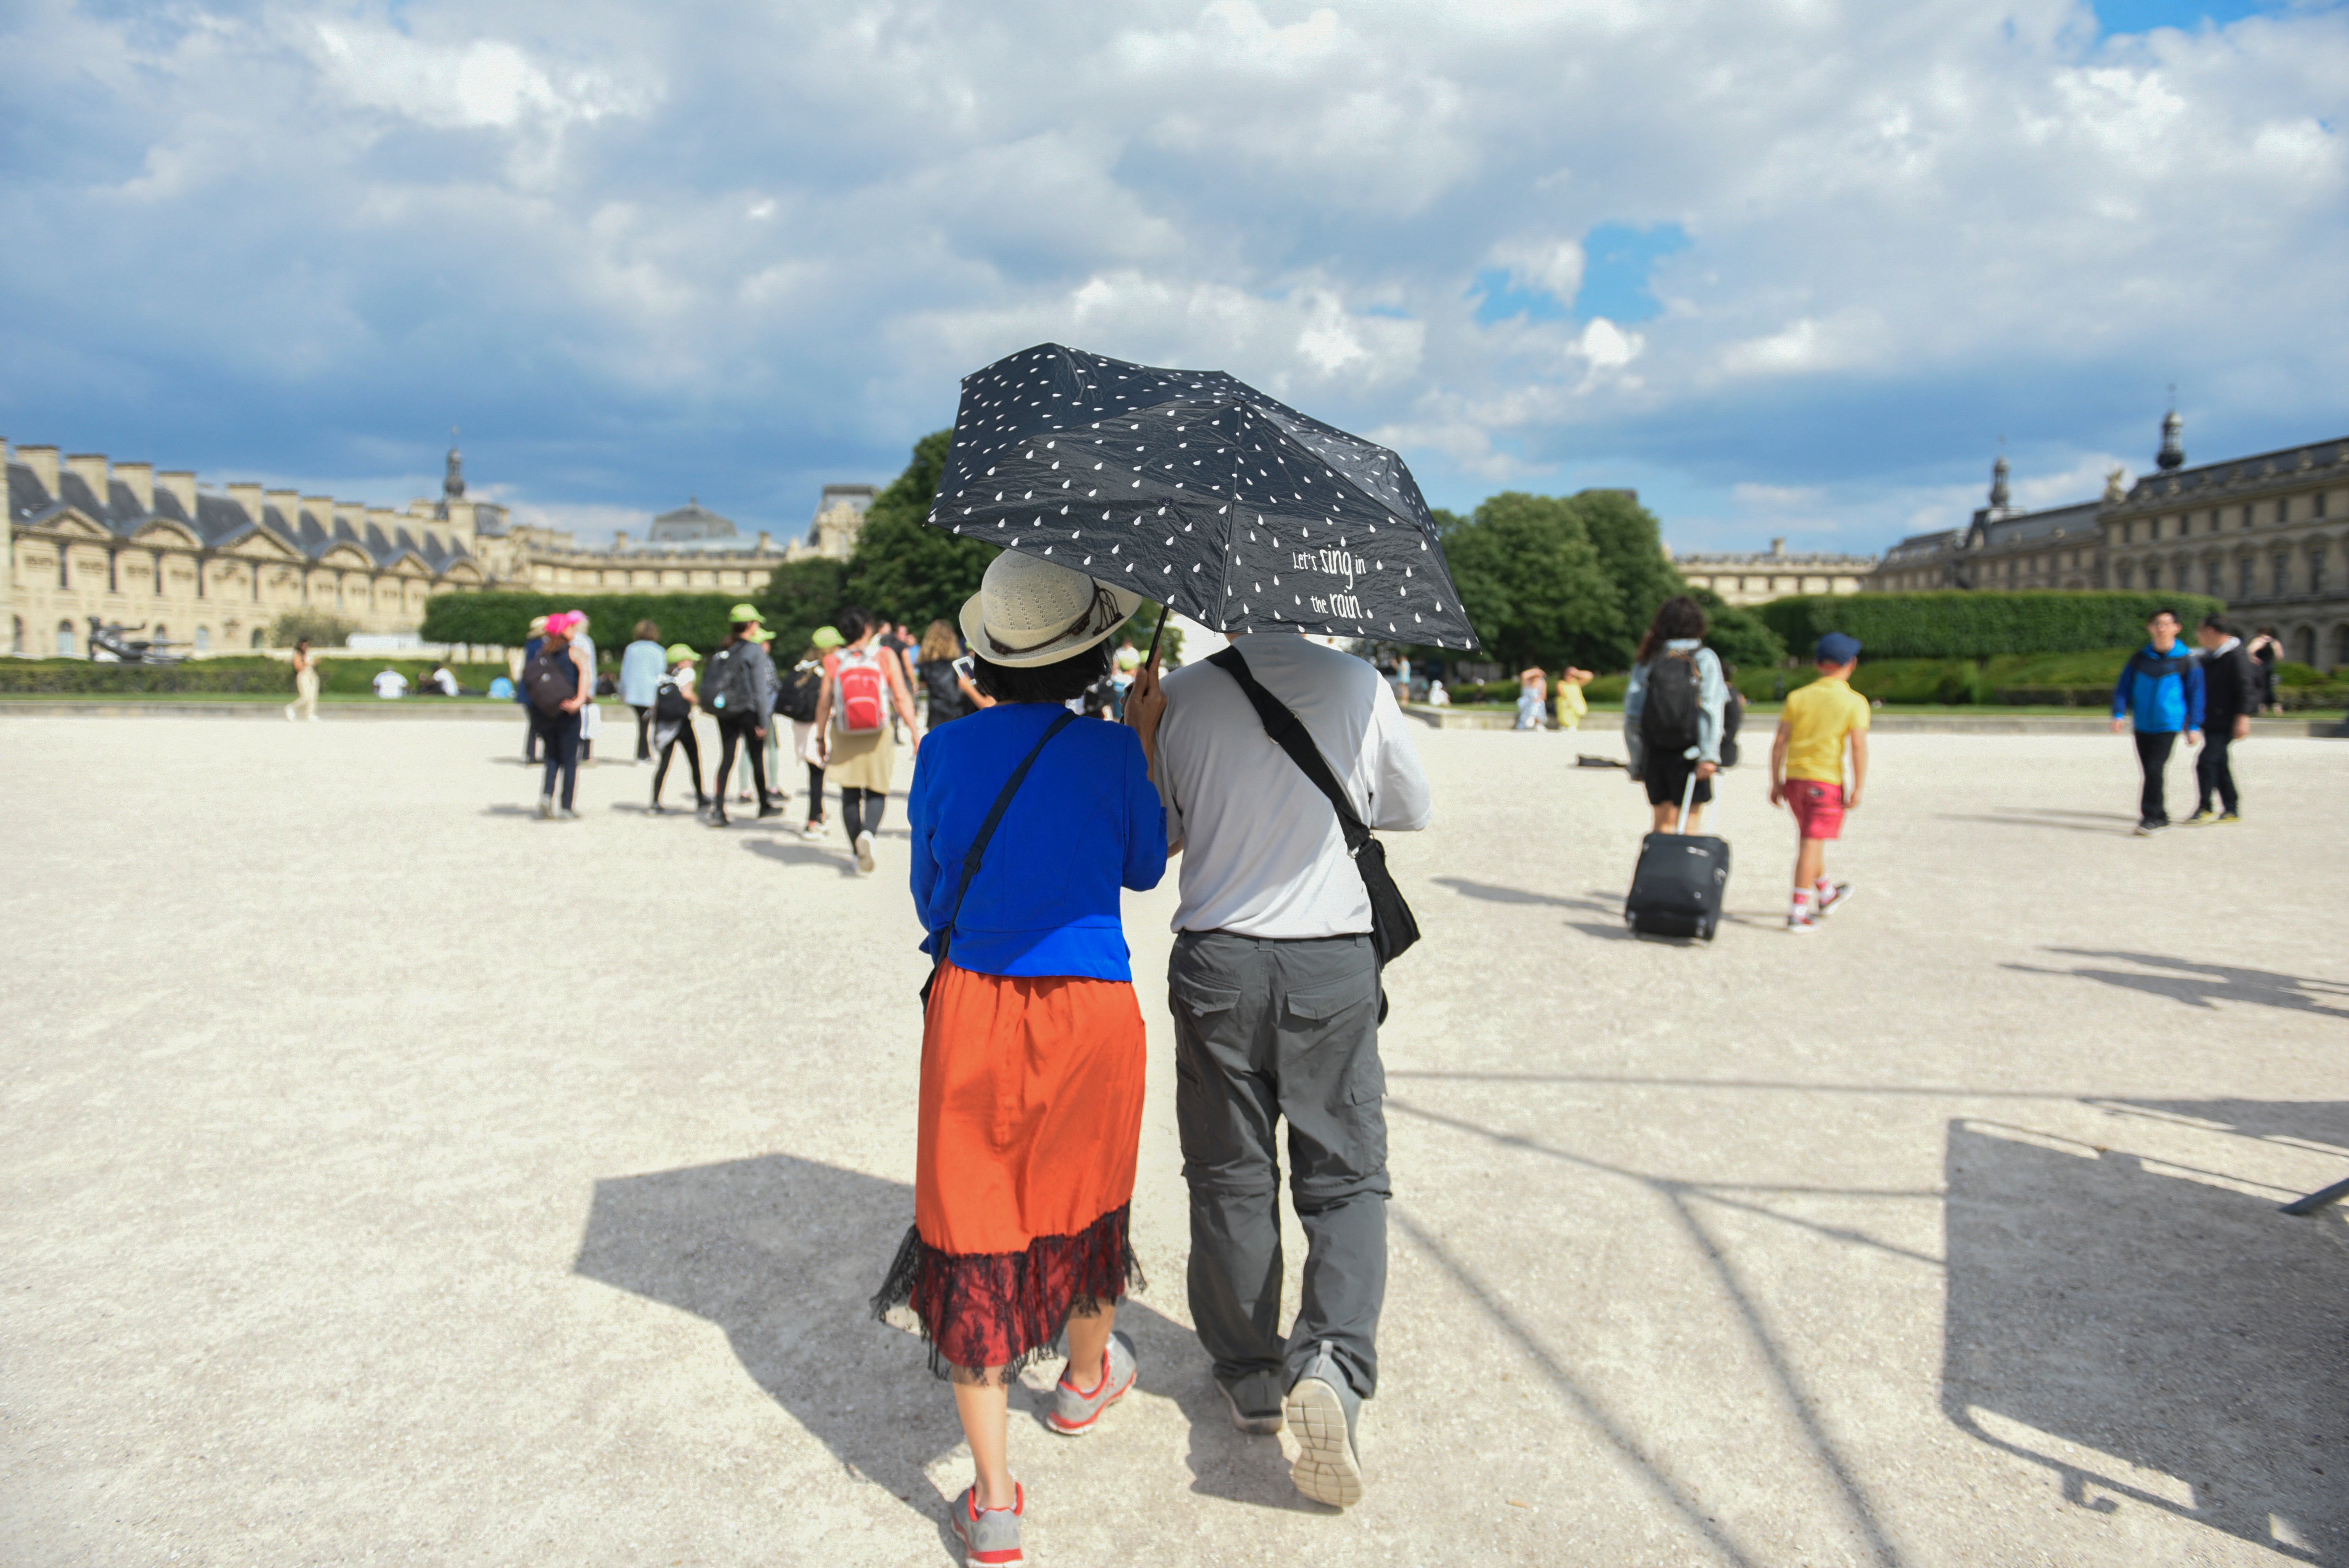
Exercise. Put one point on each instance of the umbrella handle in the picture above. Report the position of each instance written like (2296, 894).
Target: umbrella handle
(1154, 635)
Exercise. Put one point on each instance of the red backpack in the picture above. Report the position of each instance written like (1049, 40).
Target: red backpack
(863, 707)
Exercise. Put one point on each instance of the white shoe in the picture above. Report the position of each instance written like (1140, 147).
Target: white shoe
(813, 831)
(546, 807)
(864, 854)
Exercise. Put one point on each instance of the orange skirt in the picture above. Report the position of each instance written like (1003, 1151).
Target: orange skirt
(1030, 1123)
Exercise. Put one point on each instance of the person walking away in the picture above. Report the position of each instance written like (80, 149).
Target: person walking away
(2230, 692)
(642, 666)
(305, 683)
(557, 681)
(1571, 703)
(1034, 1054)
(529, 649)
(2266, 650)
(672, 721)
(940, 682)
(1123, 664)
(1807, 775)
(852, 729)
(772, 791)
(800, 696)
(2160, 693)
(1532, 699)
(1675, 700)
(737, 689)
(1273, 985)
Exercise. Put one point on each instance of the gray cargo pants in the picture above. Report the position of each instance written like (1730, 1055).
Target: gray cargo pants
(1266, 1029)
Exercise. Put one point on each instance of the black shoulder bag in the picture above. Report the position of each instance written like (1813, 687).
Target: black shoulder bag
(978, 846)
(1393, 928)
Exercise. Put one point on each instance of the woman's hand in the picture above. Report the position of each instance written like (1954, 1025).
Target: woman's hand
(1145, 705)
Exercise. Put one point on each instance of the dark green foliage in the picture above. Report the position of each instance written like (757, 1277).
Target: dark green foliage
(904, 569)
(222, 677)
(1532, 581)
(1631, 552)
(800, 597)
(1958, 625)
(696, 620)
(1740, 636)
(322, 627)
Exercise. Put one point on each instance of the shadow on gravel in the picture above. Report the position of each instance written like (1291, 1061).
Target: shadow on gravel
(2119, 826)
(805, 854)
(2154, 1336)
(784, 1253)
(1492, 894)
(2201, 985)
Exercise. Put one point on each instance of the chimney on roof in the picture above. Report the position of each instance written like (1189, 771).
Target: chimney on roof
(247, 495)
(321, 507)
(619, 539)
(96, 472)
(181, 482)
(288, 504)
(1777, 548)
(43, 461)
(384, 518)
(766, 545)
(140, 479)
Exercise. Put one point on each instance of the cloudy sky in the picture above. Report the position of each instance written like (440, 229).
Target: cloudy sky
(1788, 266)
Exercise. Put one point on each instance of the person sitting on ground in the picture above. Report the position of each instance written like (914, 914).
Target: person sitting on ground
(1571, 703)
(390, 685)
(1672, 712)
(2230, 692)
(1033, 1048)
(1807, 775)
(1436, 696)
(1533, 698)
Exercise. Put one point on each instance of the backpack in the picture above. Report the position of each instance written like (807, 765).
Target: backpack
(551, 679)
(863, 705)
(669, 706)
(727, 688)
(1733, 713)
(797, 694)
(1668, 718)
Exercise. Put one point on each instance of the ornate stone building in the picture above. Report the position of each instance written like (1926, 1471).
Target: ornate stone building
(2002, 548)
(2268, 533)
(211, 567)
(87, 539)
(1756, 579)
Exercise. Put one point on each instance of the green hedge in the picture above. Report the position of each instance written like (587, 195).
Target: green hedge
(696, 620)
(230, 676)
(1964, 625)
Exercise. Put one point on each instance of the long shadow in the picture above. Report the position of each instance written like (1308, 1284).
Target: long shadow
(1774, 1086)
(1491, 893)
(782, 1255)
(804, 854)
(2029, 823)
(2203, 984)
(2153, 1341)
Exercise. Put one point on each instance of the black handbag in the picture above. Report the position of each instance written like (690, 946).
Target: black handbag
(1392, 926)
(978, 847)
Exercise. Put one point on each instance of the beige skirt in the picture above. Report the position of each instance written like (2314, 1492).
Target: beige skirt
(862, 761)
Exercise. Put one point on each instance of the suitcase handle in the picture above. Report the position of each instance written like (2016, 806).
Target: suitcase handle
(1687, 794)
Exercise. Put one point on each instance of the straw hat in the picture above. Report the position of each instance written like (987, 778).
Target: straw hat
(1030, 611)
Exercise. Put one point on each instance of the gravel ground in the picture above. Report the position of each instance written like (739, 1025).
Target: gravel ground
(389, 1177)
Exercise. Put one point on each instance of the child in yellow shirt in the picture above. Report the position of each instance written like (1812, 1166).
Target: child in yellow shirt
(1571, 703)
(1806, 772)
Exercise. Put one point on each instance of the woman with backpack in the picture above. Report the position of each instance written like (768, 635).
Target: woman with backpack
(942, 683)
(558, 682)
(1033, 1051)
(738, 690)
(867, 685)
(1675, 701)
(671, 709)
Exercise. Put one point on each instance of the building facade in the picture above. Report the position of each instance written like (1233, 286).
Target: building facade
(87, 542)
(2002, 548)
(1755, 579)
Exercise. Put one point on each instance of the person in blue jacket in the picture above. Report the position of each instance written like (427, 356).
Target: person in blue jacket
(2161, 689)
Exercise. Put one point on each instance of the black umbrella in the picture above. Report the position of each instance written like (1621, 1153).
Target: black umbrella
(1198, 491)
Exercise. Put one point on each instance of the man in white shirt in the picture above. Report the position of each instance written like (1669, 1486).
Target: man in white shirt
(1274, 987)
(390, 683)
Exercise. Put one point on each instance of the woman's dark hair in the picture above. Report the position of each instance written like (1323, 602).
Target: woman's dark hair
(1064, 680)
(1679, 616)
(852, 623)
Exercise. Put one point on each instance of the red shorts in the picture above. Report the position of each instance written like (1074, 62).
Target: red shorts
(1819, 808)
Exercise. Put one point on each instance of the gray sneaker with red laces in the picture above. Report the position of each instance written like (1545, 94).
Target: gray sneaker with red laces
(1076, 1412)
(991, 1536)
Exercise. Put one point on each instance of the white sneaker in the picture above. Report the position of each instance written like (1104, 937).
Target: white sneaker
(546, 807)
(864, 854)
(813, 831)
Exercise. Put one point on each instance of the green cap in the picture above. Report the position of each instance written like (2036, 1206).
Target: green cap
(828, 637)
(758, 635)
(678, 654)
(743, 613)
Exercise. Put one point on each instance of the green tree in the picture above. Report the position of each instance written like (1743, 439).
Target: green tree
(1740, 636)
(800, 596)
(1631, 553)
(1532, 581)
(904, 568)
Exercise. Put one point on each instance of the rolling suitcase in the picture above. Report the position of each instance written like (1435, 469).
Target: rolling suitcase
(1676, 886)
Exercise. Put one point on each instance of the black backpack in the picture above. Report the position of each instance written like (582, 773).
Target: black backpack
(1668, 718)
(669, 706)
(550, 680)
(1733, 713)
(727, 688)
(797, 692)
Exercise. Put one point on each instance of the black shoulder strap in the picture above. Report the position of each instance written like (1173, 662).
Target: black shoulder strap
(971, 862)
(1288, 733)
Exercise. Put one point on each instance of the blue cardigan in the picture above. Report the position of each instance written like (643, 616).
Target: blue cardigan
(1086, 822)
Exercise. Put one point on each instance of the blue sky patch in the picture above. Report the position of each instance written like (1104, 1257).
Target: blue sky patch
(1504, 298)
(1616, 261)
(2145, 16)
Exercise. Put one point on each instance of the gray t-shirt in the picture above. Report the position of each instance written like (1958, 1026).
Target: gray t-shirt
(1262, 851)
